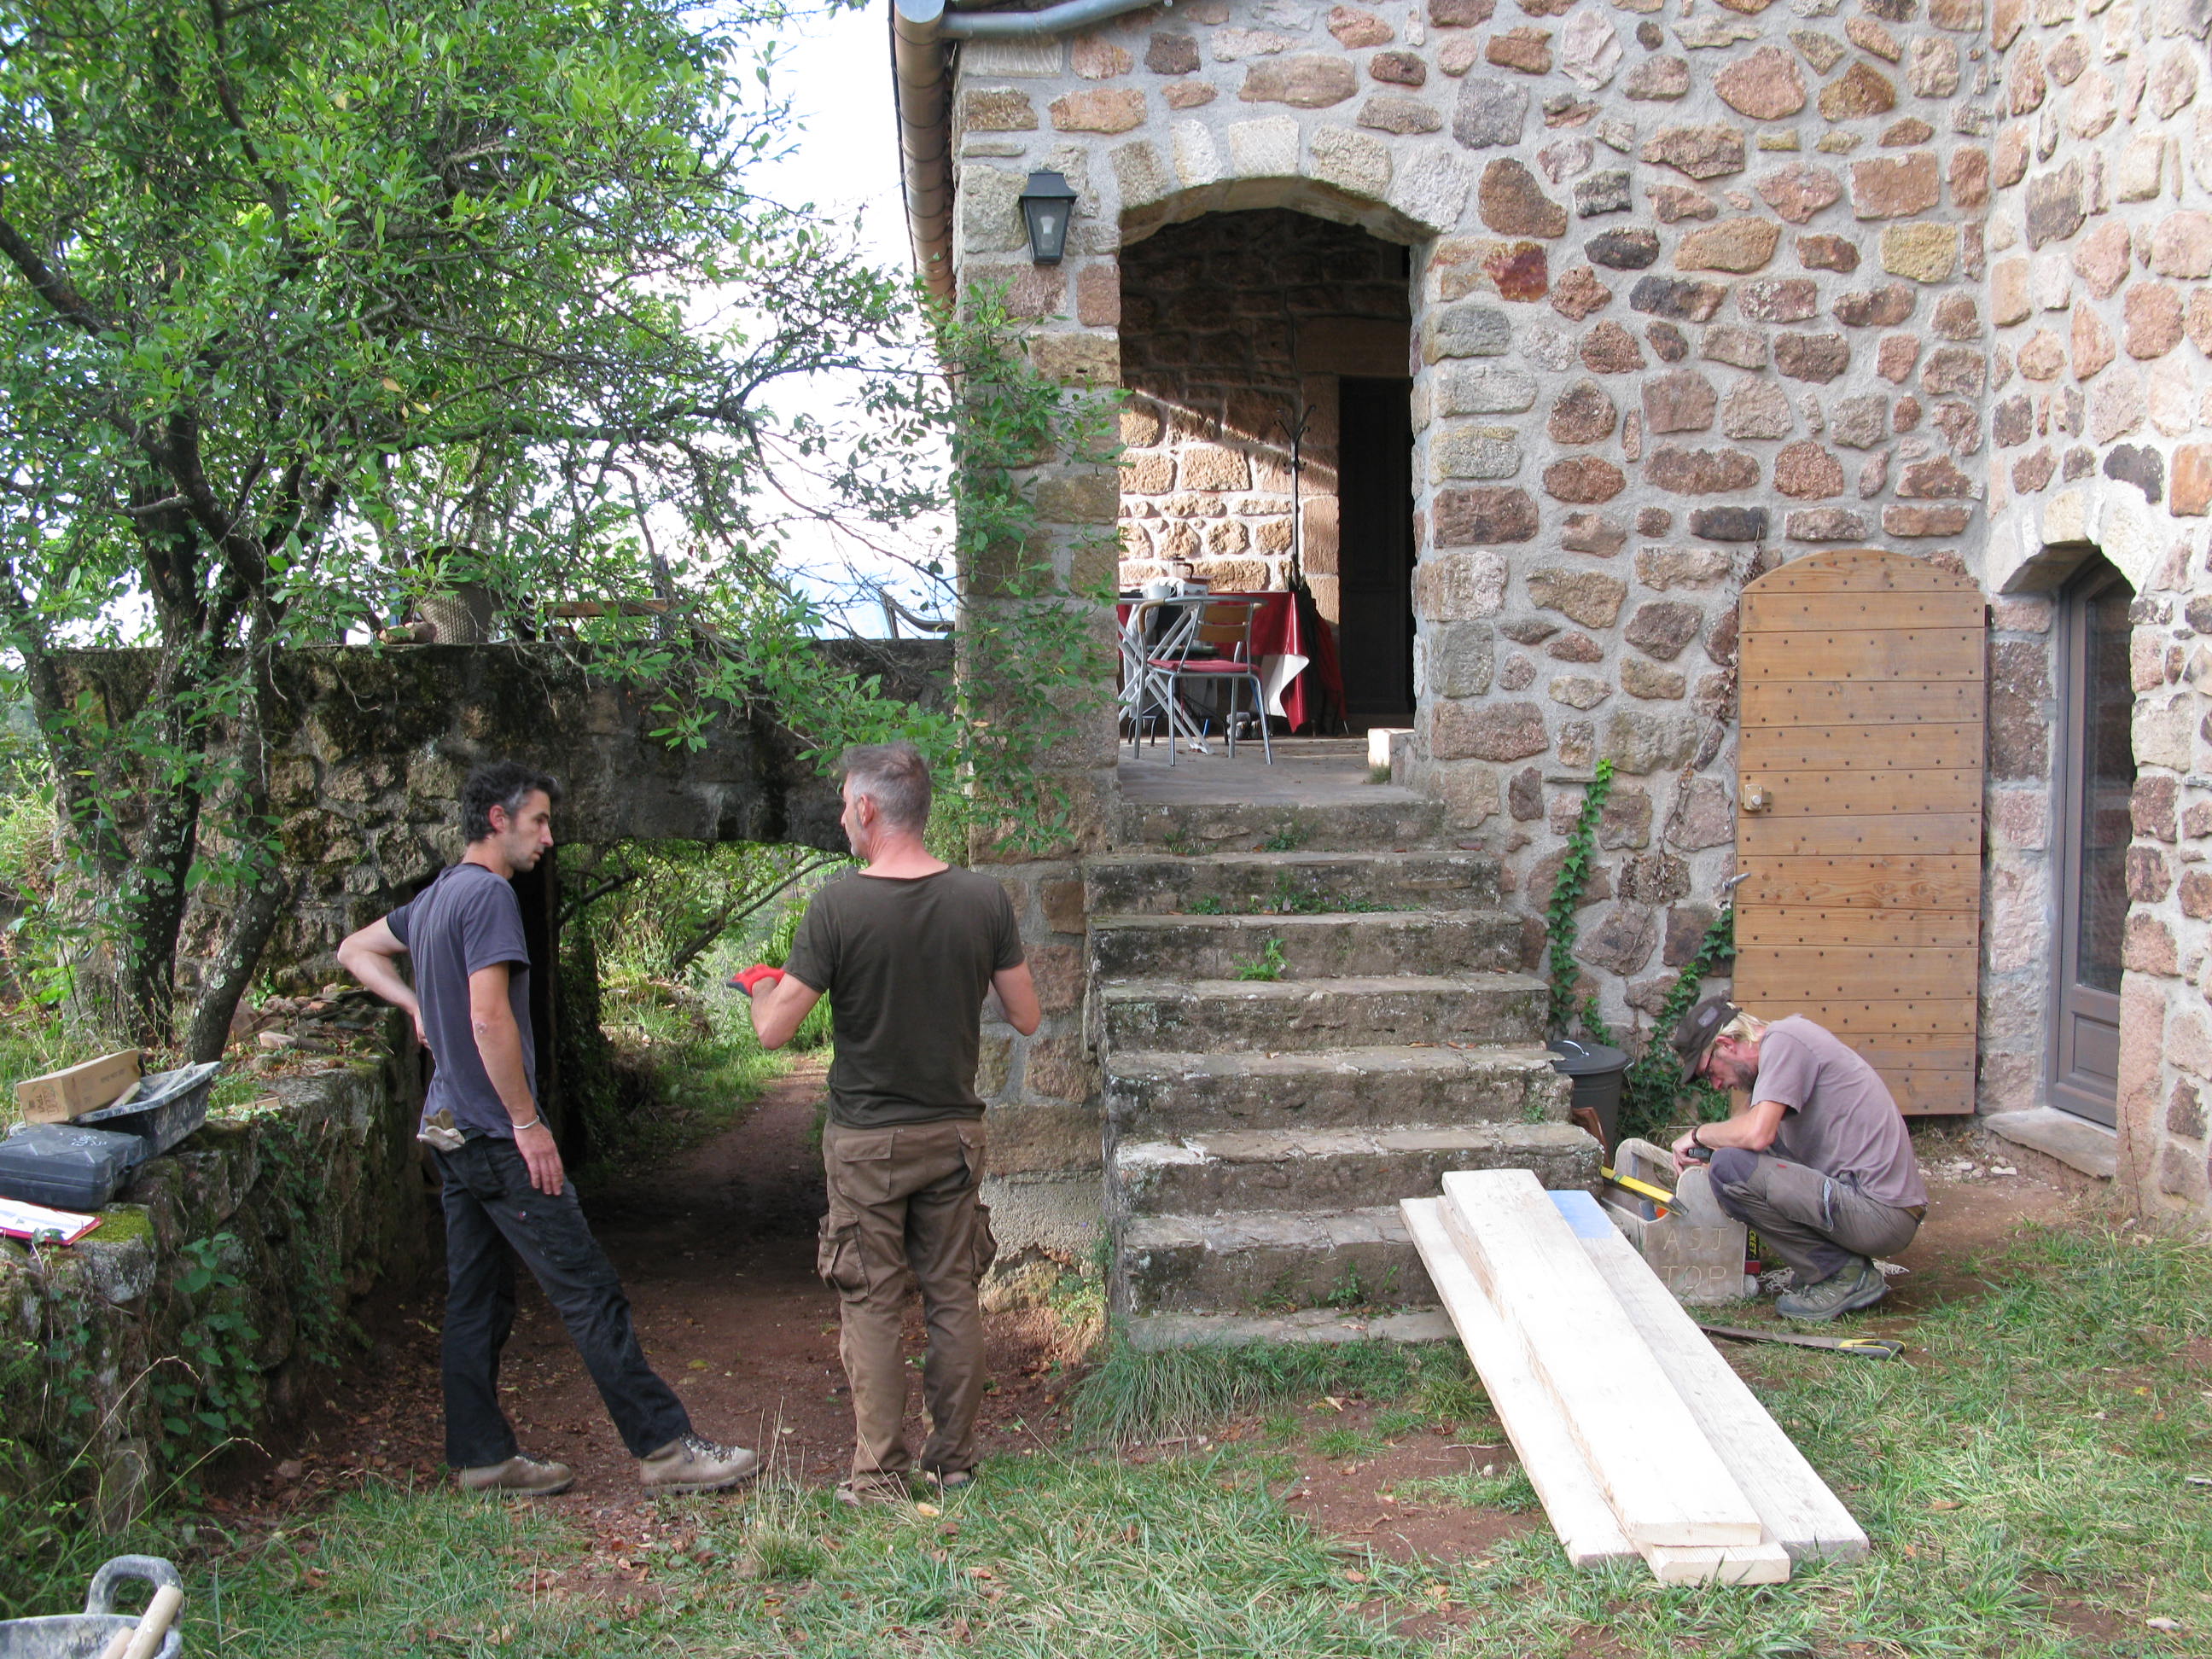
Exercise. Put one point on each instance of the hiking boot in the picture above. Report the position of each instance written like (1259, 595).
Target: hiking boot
(949, 1480)
(881, 1489)
(518, 1477)
(1858, 1286)
(691, 1464)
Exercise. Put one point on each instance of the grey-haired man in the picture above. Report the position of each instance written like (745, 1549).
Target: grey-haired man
(1840, 1186)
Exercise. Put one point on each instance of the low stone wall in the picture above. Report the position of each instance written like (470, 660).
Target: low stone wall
(220, 1272)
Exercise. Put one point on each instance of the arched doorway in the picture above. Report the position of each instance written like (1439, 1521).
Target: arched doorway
(2094, 787)
(1269, 432)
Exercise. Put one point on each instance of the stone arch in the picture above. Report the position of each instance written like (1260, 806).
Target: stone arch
(1268, 178)
(2064, 530)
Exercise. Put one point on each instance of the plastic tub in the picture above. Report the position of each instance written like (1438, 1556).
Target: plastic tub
(165, 1107)
(67, 1167)
(1597, 1072)
(86, 1635)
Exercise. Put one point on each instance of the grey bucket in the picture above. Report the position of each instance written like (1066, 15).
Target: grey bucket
(1597, 1072)
(86, 1635)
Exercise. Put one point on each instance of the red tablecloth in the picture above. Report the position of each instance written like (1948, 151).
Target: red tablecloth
(1277, 630)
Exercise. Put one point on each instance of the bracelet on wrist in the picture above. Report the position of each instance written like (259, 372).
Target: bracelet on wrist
(1694, 1142)
(533, 1124)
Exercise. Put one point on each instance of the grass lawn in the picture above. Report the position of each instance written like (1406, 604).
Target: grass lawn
(2025, 1475)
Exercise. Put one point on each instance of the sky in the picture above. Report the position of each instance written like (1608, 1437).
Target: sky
(836, 70)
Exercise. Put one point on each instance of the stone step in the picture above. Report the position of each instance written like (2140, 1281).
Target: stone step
(1393, 818)
(1151, 1096)
(1302, 1015)
(1312, 946)
(1248, 883)
(1243, 1171)
(1266, 1259)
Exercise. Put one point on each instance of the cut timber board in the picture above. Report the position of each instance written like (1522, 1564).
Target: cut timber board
(1616, 1401)
(1795, 1505)
(1549, 1454)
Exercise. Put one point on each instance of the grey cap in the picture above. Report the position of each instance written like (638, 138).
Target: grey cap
(1697, 1030)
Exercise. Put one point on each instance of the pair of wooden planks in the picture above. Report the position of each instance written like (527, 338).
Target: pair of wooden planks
(1636, 1434)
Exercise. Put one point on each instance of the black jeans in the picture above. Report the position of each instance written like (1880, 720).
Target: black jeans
(491, 1206)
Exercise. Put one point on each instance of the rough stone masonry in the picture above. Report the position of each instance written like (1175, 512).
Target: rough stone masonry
(1692, 288)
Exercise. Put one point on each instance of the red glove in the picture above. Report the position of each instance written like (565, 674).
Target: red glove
(754, 977)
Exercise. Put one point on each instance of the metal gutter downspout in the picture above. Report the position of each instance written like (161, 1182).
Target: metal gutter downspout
(919, 30)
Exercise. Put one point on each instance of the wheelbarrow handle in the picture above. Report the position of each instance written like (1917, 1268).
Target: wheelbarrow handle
(142, 1639)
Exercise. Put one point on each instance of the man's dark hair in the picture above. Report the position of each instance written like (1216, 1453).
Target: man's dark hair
(896, 777)
(500, 783)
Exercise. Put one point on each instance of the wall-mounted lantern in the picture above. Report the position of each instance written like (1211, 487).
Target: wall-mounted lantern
(1046, 204)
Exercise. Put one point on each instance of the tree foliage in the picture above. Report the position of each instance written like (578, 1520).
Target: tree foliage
(310, 306)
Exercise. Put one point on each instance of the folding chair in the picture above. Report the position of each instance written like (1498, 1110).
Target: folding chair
(1223, 633)
(1143, 692)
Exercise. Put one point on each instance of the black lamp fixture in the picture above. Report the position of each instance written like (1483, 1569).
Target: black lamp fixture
(1047, 205)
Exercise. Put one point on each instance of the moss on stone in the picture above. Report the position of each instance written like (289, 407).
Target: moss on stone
(121, 1223)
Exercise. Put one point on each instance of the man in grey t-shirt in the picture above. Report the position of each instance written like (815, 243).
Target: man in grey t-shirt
(1839, 1185)
(505, 1192)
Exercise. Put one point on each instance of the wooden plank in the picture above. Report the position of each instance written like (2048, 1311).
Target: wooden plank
(1925, 881)
(1811, 974)
(1792, 924)
(1935, 1095)
(1830, 792)
(1892, 745)
(1857, 1020)
(1617, 1403)
(1879, 654)
(1936, 834)
(1743, 1564)
(1795, 1505)
(1862, 571)
(1587, 1529)
(1765, 610)
(1857, 702)
(58, 1096)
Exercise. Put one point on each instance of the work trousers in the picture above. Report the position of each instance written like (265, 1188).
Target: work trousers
(1812, 1222)
(903, 1198)
(492, 1214)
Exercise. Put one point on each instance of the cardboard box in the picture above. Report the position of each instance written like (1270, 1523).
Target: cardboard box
(60, 1096)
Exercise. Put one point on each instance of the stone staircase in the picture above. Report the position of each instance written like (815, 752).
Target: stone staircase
(1259, 1133)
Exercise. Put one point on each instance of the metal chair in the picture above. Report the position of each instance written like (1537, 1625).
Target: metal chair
(1223, 634)
(1162, 627)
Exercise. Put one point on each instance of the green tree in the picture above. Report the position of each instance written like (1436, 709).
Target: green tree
(307, 306)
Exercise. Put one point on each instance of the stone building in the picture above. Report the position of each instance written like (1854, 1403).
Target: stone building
(1644, 300)
(1525, 333)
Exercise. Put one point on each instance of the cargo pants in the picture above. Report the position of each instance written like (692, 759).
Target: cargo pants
(1812, 1222)
(902, 1198)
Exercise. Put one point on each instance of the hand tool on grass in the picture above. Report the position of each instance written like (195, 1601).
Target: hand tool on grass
(1867, 1347)
(140, 1641)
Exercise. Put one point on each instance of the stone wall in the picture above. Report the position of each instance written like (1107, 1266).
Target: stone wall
(300, 1204)
(376, 742)
(1235, 329)
(1694, 291)
(2100, 425)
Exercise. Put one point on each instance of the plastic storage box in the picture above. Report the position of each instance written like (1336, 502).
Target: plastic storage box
(1695, 1247)
(165, 1107)
(66, 1166)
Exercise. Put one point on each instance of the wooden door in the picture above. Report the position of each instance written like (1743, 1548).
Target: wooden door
(1859, 815)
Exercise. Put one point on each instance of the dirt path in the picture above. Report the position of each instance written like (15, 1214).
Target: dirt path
(716, 1251)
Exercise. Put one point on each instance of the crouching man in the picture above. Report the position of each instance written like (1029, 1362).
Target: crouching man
(1839, 1186)
(907, 951)
(505, 1193)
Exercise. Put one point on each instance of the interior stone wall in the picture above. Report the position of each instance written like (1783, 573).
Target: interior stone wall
(1234, 328)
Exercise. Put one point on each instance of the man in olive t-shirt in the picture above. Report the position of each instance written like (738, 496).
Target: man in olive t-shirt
(1818, 1161)
(907, 951)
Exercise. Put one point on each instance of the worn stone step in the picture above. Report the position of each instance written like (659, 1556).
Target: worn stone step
(1212, 1016)
(1248, 883)
(1307, 1169)
(1151, 1096)
(1392, 817)
(1312, 947)
(1270, 1260)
